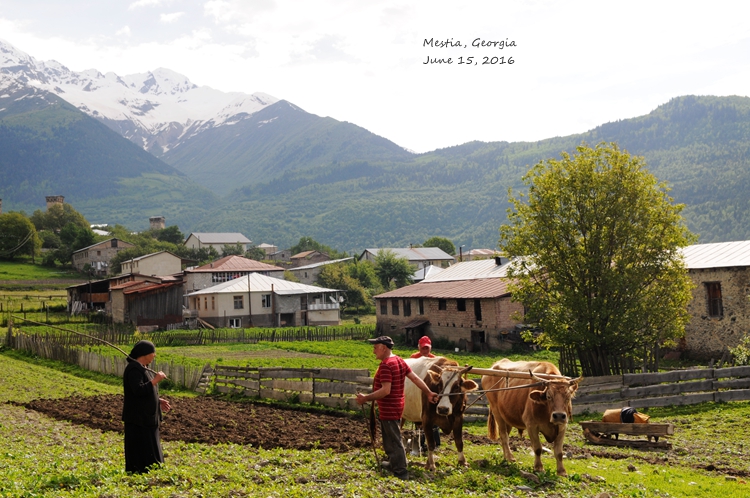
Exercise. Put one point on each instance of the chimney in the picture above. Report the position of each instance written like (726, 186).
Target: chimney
(157, 222)
(500, 261)
(54, 199)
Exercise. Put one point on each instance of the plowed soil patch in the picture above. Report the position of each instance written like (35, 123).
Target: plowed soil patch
(213, 421)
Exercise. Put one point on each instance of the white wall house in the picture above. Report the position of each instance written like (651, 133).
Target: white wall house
(260, 301)
(197, 240)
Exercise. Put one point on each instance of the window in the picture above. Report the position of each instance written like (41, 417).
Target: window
(383, 307)
(713, 292)
(235, 323)
(421, 306)
(461, 304)
(238, 303)
(478, 310)
(213, 302)
(407, 307)
(442, 304)
(98, 253)
(394, 306)
(205, 303)
(197, 303)
(265, 300)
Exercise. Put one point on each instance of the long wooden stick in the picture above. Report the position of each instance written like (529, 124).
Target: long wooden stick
(84, 335)
(514, 374)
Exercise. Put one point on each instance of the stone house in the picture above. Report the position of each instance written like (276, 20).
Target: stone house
(720, 306)
(158, 263)
(98, 255)
(468, 304)
(308, 274)
(261, 301)
(217, 240)
(306, 258)
(417, 257)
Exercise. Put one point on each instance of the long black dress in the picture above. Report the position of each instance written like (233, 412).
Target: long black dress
(141, 413)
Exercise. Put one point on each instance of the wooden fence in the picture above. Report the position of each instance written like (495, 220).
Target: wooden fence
(181, 375)
(333, 387)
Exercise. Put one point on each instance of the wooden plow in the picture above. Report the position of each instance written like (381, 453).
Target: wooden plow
(608, 434)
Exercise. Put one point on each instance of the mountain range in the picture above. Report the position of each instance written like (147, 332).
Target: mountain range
(123, 148)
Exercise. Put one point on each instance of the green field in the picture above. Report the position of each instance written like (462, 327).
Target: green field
(45, 457)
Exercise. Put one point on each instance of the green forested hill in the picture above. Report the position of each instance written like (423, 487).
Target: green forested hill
(282, 137)
(48, 147)
(698, 145)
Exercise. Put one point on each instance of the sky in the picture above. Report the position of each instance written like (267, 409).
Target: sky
(553, 68)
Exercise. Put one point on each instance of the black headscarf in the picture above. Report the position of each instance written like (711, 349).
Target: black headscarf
(141, 348)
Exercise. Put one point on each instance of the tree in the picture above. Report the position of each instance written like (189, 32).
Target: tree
(442, 243)
(57, 216)
(391, 268)
(18, 236)
(232, 250)
(595, 256)
(337, 277)
(256, 253)
(171, 234)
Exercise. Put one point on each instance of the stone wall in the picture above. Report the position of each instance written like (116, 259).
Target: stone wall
(452, 324)
(707, 336)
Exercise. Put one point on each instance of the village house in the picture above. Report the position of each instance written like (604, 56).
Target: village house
(158, 263)
(308, 274)
(468, 304)
(418, 257)
(143, 300)
(98, 255)
(217, 240)
(260, 301)
(305, 258)
(283, 256)
(225, 269)
(268, 248)
(720, 306)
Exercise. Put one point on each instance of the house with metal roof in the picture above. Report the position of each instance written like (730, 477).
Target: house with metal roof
(257, 300)
(468, 304)
(720, 306)
(418, 257)
(199, 240)
(97, 256)
(157, 263)
(308, 274)
(225, 269)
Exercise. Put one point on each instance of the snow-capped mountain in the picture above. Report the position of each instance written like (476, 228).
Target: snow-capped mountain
(158, 110)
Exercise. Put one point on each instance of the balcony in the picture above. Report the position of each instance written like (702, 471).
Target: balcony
(322, 306)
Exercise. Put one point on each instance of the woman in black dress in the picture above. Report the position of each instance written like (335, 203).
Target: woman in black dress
(142, 410)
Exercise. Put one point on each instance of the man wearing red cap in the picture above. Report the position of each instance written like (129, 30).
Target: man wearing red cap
(425, 346)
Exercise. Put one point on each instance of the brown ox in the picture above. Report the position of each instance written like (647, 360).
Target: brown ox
(545, 408)
(444, 377)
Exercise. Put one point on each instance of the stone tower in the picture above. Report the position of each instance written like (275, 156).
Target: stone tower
(54, 199)
(157, 222)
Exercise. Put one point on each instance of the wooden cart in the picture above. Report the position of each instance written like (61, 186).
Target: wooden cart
(609, 434)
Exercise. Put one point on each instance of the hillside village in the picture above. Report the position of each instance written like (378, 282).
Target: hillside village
(463, 300)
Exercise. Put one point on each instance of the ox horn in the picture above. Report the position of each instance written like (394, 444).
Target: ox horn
(534, 377)
(575, 381)
(466, 369)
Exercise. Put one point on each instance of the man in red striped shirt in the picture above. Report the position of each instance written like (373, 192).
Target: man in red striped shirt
(388, 391)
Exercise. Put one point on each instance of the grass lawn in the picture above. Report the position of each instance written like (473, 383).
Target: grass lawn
(44, 457)
(26, 271)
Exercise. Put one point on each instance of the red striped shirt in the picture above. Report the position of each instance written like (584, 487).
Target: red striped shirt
(393, 370)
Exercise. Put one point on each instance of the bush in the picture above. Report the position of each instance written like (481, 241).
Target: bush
(741, 353)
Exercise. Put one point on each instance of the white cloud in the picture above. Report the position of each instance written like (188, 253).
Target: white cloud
(171, 18)
(124, 31)
(145, 3)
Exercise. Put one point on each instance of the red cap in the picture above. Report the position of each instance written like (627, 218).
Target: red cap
(425, 341)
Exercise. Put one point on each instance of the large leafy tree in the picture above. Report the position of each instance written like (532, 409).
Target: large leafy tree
(392, 269)
(57, 216)
(596, 245)
(18, 236)
(337, 276)
(442, 243)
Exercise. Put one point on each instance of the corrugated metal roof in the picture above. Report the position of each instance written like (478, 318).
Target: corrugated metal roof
(470, 270)
(228, 238)
(262, 283)
(426, 272)
(416, 254)
(322, 263)
(485, 288)
(717, 255)
(236, 263)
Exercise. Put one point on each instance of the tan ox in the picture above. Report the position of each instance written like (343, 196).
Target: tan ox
(545, 408)
(444, 377)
